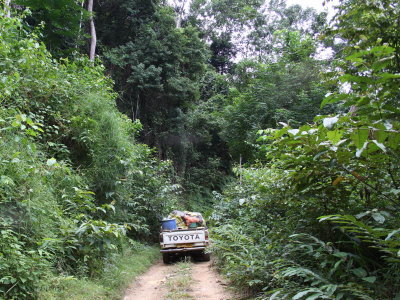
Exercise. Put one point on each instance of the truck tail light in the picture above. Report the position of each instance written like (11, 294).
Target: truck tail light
(161, 238)
(206, 235)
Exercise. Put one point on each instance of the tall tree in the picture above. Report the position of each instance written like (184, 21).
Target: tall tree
(180, 10)
(156, 67)
(287, 90)
(223, 51)
(7, 4)
(93, 37)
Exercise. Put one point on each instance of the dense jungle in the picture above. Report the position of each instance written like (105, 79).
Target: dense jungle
(280, 123)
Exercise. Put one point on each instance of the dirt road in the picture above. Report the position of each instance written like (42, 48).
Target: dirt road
(189, 281)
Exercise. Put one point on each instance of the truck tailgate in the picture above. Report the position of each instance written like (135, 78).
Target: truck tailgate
(183, 237)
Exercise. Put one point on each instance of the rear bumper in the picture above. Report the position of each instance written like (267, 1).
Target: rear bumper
(178, 250)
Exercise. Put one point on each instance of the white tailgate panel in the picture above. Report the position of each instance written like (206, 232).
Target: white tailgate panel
(183, 237)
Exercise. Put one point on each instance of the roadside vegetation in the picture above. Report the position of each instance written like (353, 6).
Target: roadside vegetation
(70, 169)
(118, 274)
(318, 216)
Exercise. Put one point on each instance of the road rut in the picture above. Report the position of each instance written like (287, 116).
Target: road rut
(206, 284)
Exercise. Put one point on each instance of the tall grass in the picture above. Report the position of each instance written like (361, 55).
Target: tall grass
(119, 272)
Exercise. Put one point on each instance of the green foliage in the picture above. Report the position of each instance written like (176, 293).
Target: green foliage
(73, 181)
(159, 65)
(264, 242)
(267, 94)
(119, 272)
(61, 22)
(20, 268)
(207, 160)
(222, 50)
(162, 60)
(156, 67)
(329, 272)
(249, 26)
(384, 239)
(344, 167)
(224, 14)
(62, 138)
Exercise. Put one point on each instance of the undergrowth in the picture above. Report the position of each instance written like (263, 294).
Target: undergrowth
(119, 272)
(318, 217)
(74, 183)
(179, 282)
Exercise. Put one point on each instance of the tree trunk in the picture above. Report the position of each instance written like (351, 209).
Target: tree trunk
(180, 11)
(80, 25)
(93, 39)
(7, 4)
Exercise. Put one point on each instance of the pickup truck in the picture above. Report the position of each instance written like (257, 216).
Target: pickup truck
(190, 241)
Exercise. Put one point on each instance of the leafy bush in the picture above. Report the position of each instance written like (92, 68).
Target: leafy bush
(72, 179)
(320, 220)
(263, 241)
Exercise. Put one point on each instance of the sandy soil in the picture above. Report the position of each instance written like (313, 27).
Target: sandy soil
(151, 285)
(207, 284)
